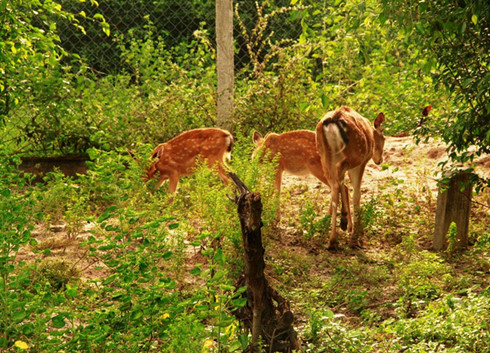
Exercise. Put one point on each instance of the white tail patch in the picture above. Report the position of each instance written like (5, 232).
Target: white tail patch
(227, 154)
(334, 138)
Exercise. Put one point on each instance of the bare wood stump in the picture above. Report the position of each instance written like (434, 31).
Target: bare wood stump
(453, 205)
(270, 323)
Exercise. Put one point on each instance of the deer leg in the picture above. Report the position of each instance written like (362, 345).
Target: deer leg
(334, 200)
(278, 180)
(222, 174)
(356, 178)
(346, 217)
(161, 180)
(173, 181)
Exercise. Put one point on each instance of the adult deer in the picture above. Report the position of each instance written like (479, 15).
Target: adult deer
(298, 155)
(178, 157)
(346, 141)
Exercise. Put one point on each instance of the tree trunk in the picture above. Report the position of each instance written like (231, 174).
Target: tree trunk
(453, 205)
(271, 324)
(224, 62)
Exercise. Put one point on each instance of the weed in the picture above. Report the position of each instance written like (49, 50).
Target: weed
(452, 323)
(451, 238)
(419, 282)
(371, 214)
(310, 224)
(58, 273)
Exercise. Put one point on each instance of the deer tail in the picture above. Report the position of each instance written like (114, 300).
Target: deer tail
(335, 133)
(229, 148)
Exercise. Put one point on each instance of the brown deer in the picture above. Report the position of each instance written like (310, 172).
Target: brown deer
(346, 142)
(178, 157)
(298, 156)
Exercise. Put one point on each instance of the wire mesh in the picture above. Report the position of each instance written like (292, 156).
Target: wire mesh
(170, 21)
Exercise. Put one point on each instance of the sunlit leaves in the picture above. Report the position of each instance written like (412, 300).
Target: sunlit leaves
(457, 37)
(31, 46)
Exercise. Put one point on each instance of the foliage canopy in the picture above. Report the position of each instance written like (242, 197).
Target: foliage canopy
(455, 35)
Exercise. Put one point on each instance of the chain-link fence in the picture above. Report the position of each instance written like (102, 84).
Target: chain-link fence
(172, 21)
(46, 119)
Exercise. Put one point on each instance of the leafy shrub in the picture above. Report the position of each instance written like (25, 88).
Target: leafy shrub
(16, 224)
(330, 334)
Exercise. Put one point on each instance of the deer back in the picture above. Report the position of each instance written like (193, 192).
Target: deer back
(181, 153)
(346, 138)
(297, 150)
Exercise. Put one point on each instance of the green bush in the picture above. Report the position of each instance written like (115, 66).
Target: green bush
(16, 223)
(449, 324)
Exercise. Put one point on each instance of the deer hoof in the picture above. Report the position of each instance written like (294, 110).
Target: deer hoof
(333, 245)
(343, 223)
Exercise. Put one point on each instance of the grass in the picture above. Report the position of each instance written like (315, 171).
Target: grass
(134, 270)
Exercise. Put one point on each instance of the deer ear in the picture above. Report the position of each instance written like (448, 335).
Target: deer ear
(257, 137)
(379, 119)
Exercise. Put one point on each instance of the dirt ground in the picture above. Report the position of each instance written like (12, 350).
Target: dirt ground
(403, 160)
(407, 166)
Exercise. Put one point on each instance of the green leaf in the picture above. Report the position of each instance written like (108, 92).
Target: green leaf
(474, 19)
(107, 214)
(362, 6)
(19, 316)
(59, 321)
(207, 252)
(303, 106)
(227, 287)
(243, 339)
(167, 256)
(170, 285)
(239, 303)
(324, 101)
(225, 322)
(106, 29)
(173, 225)
(241, 290)
(71, 292)
(196, 271)
(109, 279)
(219, 257)
(6, 192)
